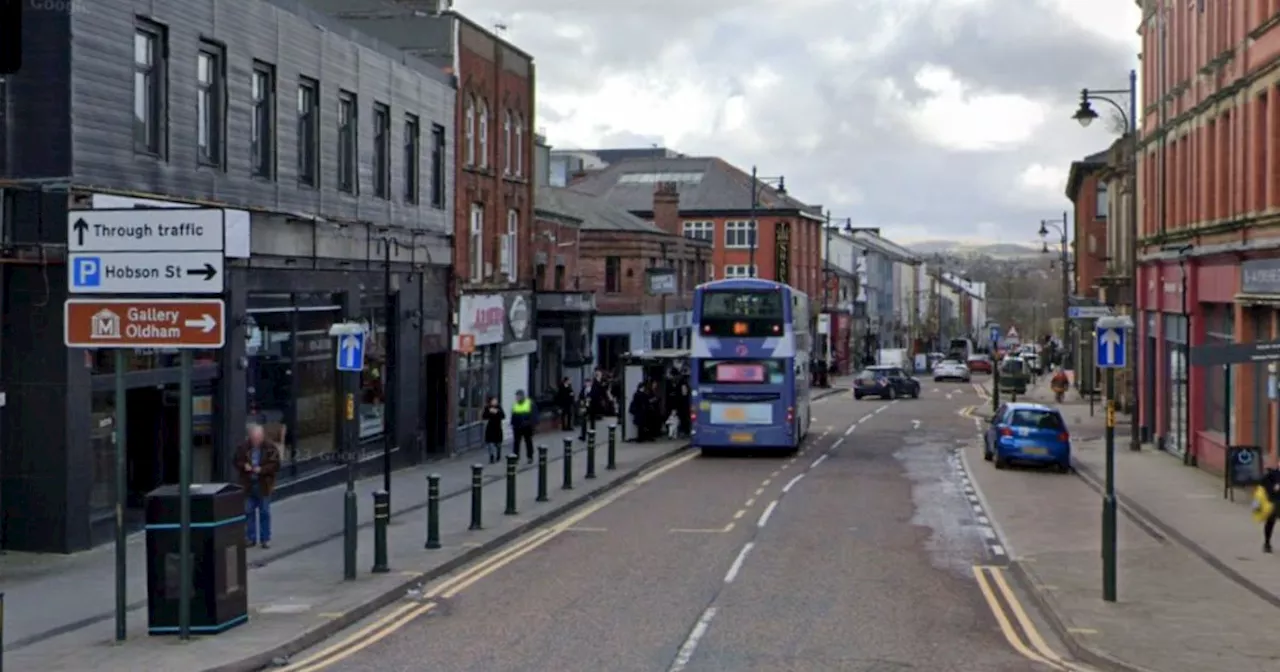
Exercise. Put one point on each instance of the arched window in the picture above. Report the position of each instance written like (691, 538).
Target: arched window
(506, 143)
(518, 164)
(483, 114)
(469, 129)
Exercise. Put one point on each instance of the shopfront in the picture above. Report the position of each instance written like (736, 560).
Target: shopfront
(494, 346)
(565, 322)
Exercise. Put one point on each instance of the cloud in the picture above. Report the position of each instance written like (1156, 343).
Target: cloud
(929, 118)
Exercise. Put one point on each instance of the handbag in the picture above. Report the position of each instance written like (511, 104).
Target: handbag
(1263, 507)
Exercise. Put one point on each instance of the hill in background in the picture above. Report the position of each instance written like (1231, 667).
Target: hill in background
(958, 249)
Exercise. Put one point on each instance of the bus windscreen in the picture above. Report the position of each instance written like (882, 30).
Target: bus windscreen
(742, 313)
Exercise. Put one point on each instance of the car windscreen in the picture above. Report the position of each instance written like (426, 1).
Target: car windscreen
(1037, 419)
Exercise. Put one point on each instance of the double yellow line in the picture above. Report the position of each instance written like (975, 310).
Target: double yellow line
(1018, 628)
(405, 614)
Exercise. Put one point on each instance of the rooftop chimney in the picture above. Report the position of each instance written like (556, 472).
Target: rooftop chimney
(666, 207)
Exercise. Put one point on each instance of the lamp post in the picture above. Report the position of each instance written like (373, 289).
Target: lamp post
(757, 183)
(1064, 259)
(1085, 115)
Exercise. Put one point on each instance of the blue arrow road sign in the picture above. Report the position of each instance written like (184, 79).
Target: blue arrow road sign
(1110, 347)
(351, 352)
(995, 335)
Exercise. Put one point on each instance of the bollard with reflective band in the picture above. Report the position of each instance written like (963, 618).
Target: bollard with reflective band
(567, 462)
(611, 454)
(542, 474)
(477, 496)
(433, 511)
(513, 468)
(591, 454)
(381, 519)
(586, 418)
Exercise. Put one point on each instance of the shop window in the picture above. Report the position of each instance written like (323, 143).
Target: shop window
(373, 392)
(1219, 409)
(104, 361)
(102, 428)
(550, 365)
(477, 374)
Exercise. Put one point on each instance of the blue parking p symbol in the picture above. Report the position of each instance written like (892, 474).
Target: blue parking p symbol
(87, 271)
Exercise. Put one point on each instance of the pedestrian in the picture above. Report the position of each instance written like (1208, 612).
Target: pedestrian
(257, 460)
(1271, 484)
(493, 416)
(522, 424)
(564, 401)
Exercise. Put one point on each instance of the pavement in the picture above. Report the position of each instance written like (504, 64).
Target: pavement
(859, 554)
(1195, 592)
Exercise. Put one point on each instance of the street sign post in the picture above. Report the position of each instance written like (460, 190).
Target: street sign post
(148, 251)
(144, 323)
(995, 336)
(349, 360)
(1088, 312)
(145, 273)
(1112, 332)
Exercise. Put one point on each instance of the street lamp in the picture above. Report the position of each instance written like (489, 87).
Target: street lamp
(1045, 226)
(757, 183)
(1085, 114)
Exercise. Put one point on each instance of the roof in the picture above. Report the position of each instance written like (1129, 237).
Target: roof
(1081, 169)
(883, 246)
(743, 283)
(1029, 406)
(707, 184)
(595, 214)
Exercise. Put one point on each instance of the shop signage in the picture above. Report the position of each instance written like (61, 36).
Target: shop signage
(483, 317)
(144, 323)
(782, 254)
(145, 273)
(518, 317)
(1260, 276)
(662, 281)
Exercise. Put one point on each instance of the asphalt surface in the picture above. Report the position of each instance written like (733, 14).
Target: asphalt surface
(856, 555)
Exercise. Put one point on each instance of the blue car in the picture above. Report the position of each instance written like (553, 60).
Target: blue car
(1029, 433)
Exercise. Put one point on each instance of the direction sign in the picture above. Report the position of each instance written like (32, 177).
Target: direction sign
(1088, 312)
(142, 273)
(1111, 347)
(995, 335)
(144, 323)
(351, 351)
(152, 230)
(1235, 353)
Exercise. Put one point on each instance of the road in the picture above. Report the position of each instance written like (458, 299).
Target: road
(857, 554)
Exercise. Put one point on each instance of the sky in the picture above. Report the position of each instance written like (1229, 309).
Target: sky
(932, 119)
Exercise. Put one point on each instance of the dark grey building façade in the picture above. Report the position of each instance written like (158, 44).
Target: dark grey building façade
(330, 147)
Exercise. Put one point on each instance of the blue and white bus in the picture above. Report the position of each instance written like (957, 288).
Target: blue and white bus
(749, 365)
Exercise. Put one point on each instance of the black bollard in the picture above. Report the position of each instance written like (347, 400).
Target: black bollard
(1, 632)
(513, 468)
(381, 519)
(567, 483)
(591, 453)
(542, 474)
(611, 455)
(477, 496)
(586, 414)
(433, 511)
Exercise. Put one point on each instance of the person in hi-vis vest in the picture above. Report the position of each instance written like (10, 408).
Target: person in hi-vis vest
(523, 420)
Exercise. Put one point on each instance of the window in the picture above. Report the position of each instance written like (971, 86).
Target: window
(559, 279)
(613, 275)
(477, 242)
(262, 130)
(1219, 412)
(469, 125)
(381, 151)
(412, 142)
(1102, 202)
(740, 271)
(150, 82)
(739, 234)
(518, 168)
(507, 128)
(482, 118)
(700, 230)
(437, 166)
(308, 132)
(210, 104)
(510, 245)
(540, 277)
(347, 142)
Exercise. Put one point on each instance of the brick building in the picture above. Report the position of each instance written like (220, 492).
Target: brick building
(784, 240)
(494, 194)
(1209, 235)
(1088, 192)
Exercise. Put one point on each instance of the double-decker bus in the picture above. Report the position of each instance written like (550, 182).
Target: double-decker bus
(749, 365)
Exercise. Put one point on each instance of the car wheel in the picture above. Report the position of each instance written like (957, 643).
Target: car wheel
(857, 397)
(915, 392)
(892, 394)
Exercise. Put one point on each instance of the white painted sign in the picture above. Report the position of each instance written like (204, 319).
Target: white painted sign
(484, 317)
(1088, 312)
(142, 273)
(156, 230)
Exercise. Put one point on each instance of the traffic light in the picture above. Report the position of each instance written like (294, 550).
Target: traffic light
(10, 36)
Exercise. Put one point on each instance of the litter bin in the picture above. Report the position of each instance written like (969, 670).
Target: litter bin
(219, 597)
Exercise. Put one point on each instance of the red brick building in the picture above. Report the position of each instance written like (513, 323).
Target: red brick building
(1087, 190)
(1209, 232)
